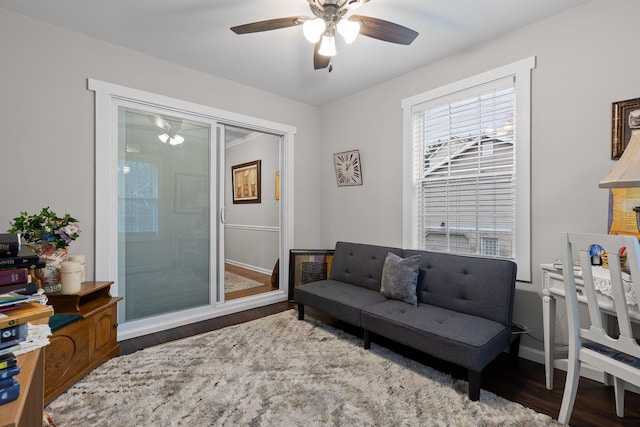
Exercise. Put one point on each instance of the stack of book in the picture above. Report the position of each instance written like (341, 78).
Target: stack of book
(9, 337)
(19, 303)
(17, 266)
(15, 312)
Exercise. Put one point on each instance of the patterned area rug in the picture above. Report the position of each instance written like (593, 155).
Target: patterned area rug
(233, 282)
(277, 371)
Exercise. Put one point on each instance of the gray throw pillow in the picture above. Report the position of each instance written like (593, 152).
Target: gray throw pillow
(400, 278)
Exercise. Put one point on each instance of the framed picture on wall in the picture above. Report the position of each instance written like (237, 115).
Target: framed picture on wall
(192, 195)
(625, 118)
(308, 266)
(246, 182)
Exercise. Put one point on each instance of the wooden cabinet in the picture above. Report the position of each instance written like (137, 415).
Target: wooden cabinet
(81, 346)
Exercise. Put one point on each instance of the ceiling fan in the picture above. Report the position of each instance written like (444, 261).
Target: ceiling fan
(329, 19)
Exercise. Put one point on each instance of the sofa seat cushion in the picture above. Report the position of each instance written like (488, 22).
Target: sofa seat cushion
(340, 300)
(469, 341)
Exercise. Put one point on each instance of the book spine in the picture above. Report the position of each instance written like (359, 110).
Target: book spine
(9, 249)
(21, 263)
(14, 332)
(11, 343)
(6, 382)
(9, 372)
(20, 288)
(7, 362)
(12, 277)
(10, 393)
(16, 261)
(9, 245)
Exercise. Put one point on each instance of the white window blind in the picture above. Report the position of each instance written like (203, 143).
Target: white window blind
(467, 165)
(464, 169)
(138, 197)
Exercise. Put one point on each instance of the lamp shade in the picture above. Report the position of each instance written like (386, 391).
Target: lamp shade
(348, 29)
(313, 29)
(328, 46)
(626, 172)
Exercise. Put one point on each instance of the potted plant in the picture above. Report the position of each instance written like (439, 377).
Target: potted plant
(49, 235)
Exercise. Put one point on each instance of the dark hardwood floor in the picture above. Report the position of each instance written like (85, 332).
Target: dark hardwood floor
(265, 279)
(515, 379)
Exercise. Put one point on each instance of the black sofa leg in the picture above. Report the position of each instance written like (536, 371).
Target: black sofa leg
(474, 385)
(300, 311)
(367, 340)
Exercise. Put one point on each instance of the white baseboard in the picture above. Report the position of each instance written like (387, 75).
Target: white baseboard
(586, 371)
(248, 267)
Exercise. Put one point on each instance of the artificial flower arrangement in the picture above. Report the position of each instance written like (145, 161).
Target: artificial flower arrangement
(46, 228)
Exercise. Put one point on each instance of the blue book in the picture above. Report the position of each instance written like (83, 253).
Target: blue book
(10, 393)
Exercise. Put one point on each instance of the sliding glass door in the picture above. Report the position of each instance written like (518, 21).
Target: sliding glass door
(164, 212)
(163, 193)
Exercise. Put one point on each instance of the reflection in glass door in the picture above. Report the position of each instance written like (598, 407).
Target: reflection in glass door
(252, 164)
(164, 230)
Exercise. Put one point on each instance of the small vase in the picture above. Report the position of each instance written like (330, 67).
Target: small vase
(50, 274)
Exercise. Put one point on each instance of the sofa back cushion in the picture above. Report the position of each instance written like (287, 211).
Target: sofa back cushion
(360, 264)
(473, 285)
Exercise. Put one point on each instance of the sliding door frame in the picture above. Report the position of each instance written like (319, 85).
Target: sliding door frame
(107, 97)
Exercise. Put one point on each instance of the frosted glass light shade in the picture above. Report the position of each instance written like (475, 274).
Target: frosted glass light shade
(176, 140)
(173, 140)
(313, 29)
(328, 46)
(349, 30)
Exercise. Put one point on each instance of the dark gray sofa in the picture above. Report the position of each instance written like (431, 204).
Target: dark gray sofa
(463, 311)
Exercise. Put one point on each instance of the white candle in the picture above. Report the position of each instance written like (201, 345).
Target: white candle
(70, 277)
(83, 265)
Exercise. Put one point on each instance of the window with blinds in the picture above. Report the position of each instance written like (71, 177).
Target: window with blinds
(466, 192)
(138, 197)
(464, 173)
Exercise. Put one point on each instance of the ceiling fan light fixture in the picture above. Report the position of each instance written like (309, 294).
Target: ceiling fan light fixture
(176, 140)
(172, 140)
(328, 46)
(349, 30)
(313, 29)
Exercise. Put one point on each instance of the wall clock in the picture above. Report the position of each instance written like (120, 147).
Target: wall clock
(348, 168)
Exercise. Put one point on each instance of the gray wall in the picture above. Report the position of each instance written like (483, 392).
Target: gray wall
(585, 61)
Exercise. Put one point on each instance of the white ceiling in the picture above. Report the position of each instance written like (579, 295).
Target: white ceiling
(196, 34)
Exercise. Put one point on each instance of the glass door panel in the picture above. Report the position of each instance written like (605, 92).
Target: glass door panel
(164, 229)
(251, 210)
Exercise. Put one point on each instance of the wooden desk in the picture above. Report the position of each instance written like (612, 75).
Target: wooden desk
(27, 409)
(553, 287)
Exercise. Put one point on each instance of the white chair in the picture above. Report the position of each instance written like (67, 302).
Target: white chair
(590, 343)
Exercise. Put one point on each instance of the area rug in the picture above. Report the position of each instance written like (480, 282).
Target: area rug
(234, 282)
(277, 371)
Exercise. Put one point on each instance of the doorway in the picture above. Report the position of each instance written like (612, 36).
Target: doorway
(251, 211)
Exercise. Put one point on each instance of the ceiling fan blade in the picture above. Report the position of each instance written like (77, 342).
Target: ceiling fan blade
(269, 24)
(384, 30)
(320, 61)
(354, 4)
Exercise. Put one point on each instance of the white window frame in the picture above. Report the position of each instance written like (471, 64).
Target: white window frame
(521, 72)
